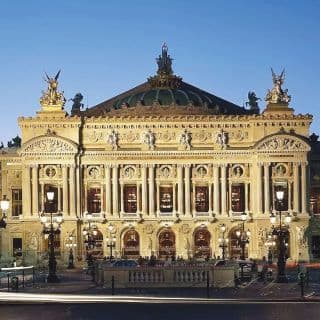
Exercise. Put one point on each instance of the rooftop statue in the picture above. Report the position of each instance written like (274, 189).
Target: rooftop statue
(77, 105)
(164, 61)
(253, 101)
(277, 94)
(52, 97)
(164, 77)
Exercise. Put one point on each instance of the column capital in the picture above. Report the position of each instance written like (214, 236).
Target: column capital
(266, 164)
(188, 165)
(151, 166)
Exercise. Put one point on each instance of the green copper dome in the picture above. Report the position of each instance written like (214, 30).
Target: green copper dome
(166, 89)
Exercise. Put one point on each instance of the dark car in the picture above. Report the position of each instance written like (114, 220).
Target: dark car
(125, 264)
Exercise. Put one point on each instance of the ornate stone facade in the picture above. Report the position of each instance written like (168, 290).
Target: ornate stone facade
(170, 174)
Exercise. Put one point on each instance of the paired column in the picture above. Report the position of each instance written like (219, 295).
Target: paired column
(35, 192)
(115, 198)
(224, 190)
(122, 200)
(65, 189)
(259, 188)
(216, 194)
(303, 188)
(144, 190)
(180, 189)
(246, 200)
(187, 190)
(108, 190)
(72, 190)
(266, 189)
(151, 190)
(26, 191)
(296, 182)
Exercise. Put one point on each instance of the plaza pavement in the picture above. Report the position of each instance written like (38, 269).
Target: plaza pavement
(75, 281)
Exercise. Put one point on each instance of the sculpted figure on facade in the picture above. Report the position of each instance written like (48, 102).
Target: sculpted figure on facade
(52, 97)
(113, 139)
(222, 139)
(148, 138)
(185, 139)
(277, 94)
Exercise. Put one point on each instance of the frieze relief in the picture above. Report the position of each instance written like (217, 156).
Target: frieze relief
(283, 143)
(49, 145)
(94, 173)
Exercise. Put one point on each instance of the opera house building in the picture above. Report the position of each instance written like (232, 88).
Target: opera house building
(163, 169)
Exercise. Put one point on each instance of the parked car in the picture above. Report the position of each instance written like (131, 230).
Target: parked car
(125, 264)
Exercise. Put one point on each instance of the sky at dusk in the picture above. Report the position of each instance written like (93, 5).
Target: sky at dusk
(107, 47)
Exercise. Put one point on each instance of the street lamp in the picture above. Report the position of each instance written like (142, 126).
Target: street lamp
(111, 240)
(243, 236)
(51, 227)
(4, 204)
(223, 242)
(280, 234)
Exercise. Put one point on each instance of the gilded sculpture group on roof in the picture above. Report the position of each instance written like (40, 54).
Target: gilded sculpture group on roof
(277, 94)
(52, 97)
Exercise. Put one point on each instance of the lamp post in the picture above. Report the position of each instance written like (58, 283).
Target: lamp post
(89, 233)
(4, 204)
(223, 242)
(52, 227)
(243, 237)
(111, 240)
(281, 233)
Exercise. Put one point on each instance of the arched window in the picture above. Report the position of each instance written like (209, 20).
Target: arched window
(202, 243)
(131, 244)
(167, 244)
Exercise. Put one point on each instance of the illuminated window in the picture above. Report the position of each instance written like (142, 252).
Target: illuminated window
(94, 200)
(237, 197)
(16, 202)
(202, 199)
(166, 199)
(130, 199)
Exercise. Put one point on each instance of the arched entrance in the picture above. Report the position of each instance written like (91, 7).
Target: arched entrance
(235, 248)
(167, 244)
(131, 244)
(94, 244)
(201, 247)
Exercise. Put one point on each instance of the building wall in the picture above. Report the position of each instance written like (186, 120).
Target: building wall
(110, 152)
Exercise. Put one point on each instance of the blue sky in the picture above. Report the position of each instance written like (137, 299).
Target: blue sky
(106, 47)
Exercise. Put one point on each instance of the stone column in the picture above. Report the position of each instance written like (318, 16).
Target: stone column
(122, 199)
(79, 184)
(144, 190)
(187, 190)
(216, 193)
(224, 190)
(59, 197)
(266, 189)
(26, 191)
(85, 197)
(246, 202)
(102, 197)
(72, 190)
(174, 197)
(151, 190)
(42, 196)
(35, 192)
(158, 198)
(304, 188)
(108, 190)
(296, 180)
(259, 188)
(115, 196)
(65, 189)
(138, 197)
(210, 197)
(180, 189)
(193, 198)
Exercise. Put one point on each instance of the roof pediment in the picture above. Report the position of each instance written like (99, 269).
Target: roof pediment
(49, 144)
(283, 142)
